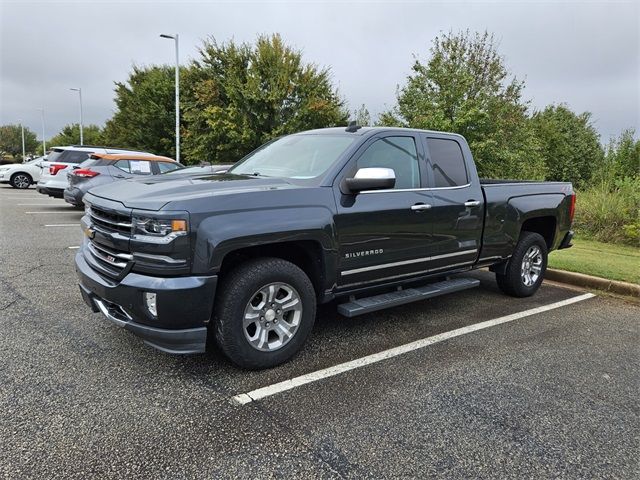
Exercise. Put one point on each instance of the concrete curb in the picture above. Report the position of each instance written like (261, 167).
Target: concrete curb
(597, 283)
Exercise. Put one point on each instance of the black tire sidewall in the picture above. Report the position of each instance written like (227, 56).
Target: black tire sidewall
(238, 289)
(13, 177)
(514, 275)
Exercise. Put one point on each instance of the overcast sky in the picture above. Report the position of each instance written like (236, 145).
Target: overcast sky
(585, 54)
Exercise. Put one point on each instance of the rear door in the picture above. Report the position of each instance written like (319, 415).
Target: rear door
(457, 204)
(382, 235)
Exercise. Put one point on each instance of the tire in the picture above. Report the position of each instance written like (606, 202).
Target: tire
(239, 332)
(526, 267)
(21, 180)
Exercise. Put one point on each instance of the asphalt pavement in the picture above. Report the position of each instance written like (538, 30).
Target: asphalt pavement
(551, 394)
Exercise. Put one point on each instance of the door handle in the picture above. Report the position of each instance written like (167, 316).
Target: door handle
(418, 207)
(472, 203)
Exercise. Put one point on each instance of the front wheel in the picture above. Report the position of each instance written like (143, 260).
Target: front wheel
(21, 181)
(526, 267)
(264, 313)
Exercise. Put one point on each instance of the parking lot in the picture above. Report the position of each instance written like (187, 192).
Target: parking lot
(549, 393)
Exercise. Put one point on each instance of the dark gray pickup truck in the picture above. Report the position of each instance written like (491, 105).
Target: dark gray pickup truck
(370, 217)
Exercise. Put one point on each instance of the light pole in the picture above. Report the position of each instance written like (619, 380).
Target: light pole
(79, 90)
(44, 143)
(175, 38)
(24, 153)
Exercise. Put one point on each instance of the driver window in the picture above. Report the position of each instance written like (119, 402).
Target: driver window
(397, 153)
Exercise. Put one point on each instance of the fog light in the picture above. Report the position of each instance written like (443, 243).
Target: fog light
(150, 301)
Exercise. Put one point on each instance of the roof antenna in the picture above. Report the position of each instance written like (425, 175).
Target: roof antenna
(353, 127)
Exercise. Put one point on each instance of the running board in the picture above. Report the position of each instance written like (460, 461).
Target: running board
(361, 306)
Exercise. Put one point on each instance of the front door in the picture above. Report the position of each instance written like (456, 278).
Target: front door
(384, 234)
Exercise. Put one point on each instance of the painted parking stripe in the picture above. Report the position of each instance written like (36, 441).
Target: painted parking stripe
(280, 387)
(74, 248)
(64, 225)
(53, 211)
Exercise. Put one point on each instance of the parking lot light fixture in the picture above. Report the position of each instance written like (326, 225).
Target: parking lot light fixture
(175, 39)
(79, 90)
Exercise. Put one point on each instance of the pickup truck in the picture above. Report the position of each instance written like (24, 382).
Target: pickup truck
(370, 218)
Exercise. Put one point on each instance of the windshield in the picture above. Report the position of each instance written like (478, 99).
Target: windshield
(294, 156)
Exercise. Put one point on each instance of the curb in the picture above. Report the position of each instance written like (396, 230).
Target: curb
(597, 283)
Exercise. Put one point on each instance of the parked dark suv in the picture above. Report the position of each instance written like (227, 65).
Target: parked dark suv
(102, 168)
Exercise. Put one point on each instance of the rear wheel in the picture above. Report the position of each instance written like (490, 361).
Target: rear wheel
(21, 180)
(264, 312)
(525, 269)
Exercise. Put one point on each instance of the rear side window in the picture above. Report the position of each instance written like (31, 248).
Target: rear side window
(72, 156)
(449, 169)
(122, 165)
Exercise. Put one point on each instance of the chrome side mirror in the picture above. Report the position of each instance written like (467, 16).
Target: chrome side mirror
(372, 178)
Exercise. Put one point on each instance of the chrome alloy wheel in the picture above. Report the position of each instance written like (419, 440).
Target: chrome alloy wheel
(21, 181)
(531, 265)
(272, 317)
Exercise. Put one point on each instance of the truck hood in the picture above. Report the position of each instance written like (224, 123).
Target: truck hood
(155, 193)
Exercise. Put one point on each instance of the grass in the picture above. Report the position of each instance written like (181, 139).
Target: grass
(606, 260)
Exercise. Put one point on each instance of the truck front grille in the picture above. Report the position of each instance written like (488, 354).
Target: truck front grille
(108, 261)
(110, 221)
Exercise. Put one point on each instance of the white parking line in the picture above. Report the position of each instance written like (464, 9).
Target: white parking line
(54, 211)
(74, 248)
(280, 387)
(64, 225)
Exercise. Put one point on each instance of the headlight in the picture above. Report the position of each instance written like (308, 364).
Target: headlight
(160, 230)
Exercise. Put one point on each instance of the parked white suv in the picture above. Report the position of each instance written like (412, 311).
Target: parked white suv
(22, 175)
(61, 160)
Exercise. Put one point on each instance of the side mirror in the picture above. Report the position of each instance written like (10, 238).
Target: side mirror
(375, 178)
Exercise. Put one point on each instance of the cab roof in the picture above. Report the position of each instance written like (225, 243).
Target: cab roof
(132, 156)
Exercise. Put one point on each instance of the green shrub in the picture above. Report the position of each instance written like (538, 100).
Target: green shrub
(609, 211)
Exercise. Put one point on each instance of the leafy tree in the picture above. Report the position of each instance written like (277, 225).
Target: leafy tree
(622, 157)
(70, 135)
(570, 144)
(362, 116)
(464, 87)
(242, 95)
(145, 112)
(11, 140)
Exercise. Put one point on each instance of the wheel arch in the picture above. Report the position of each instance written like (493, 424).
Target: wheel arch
(305, 254)
(545, 226)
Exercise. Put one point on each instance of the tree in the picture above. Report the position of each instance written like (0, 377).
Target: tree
(11, 141)
(362, 116)
(570, 144)
(464, 87)
(622, 157)
(145, 112)
(70, 135)
(243, 95)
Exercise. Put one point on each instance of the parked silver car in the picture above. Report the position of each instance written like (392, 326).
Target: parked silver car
(102, 168)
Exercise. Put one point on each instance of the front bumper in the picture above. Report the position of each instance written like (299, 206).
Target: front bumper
(73, 196)
(184, 306)
(52, 192)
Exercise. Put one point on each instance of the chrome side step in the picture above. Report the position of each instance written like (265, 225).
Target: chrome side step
(361, 306)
